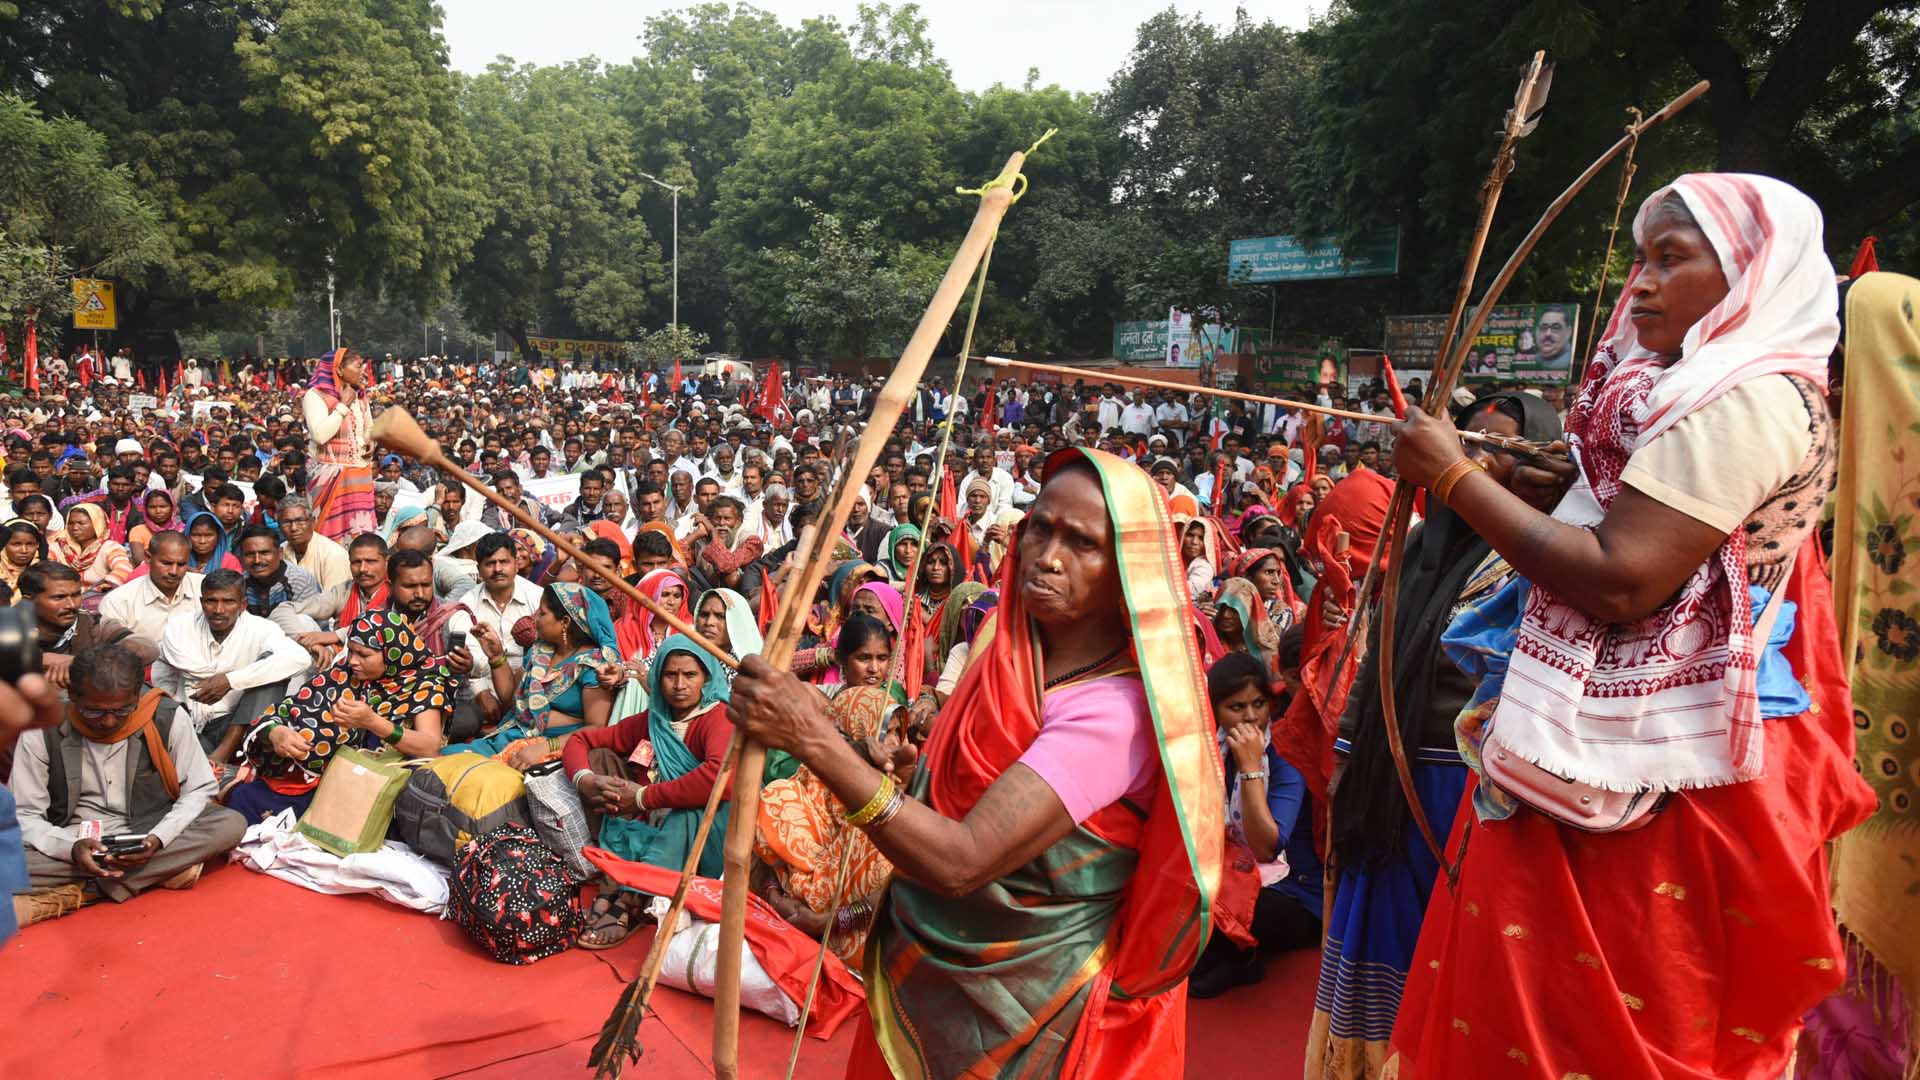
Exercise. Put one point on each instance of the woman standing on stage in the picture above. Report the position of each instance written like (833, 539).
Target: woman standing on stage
(339, 447)
(1652, 656)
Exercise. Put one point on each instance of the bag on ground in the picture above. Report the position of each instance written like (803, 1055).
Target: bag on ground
(354, 803)
(558, 816)
(514, 897)
(455, 798)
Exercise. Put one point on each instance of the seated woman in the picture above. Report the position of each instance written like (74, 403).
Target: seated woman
(961, 616)
(1240, 620)
(936, 580)
(815, 661)
(207, 546)
(158, 515)
(21, 546)
(1200, 551)
(1266, 568)
(101, 562)
(38, 509)
(391, 690)
(725, 618)
(560, 691)
(802, 839)
(1269, 814)
(862, 653)
(645, 780)
(898, 551)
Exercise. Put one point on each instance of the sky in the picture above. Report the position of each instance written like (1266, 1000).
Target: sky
(1078, 44)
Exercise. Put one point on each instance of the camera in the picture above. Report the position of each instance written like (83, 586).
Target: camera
(19, 642)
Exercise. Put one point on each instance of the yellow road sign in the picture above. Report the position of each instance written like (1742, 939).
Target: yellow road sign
(93, 304)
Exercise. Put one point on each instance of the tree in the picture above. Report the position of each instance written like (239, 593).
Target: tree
(845, 292)
(64, 212)
(564, 246)
(275, 136)
(1821, 95)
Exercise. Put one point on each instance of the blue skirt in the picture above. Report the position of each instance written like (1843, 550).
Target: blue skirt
(1377, 911)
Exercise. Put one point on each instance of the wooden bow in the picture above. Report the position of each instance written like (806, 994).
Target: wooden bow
(1446, 372)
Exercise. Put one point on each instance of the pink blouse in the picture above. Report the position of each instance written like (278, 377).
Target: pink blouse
(1096, 745)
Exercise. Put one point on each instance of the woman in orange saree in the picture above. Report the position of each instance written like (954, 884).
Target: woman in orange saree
(1062, 846)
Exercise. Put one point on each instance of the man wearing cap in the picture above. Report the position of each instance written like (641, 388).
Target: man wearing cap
(129, 451)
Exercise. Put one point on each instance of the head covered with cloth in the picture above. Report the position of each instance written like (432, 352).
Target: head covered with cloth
(1091, 978)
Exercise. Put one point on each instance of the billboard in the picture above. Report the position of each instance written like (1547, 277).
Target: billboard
(1260, 260)
(1140, 341)
(1520, 343)
(1292, 360)
(1179, 340)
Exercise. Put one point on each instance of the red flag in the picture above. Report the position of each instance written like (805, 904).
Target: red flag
(1393, 386)
(1220, 488)
(31, 352)
(140, 377)
(163, 382)
(1865, 260)
(947, 504)
(772, 405)
(987, 411)
(769, 602)
(674, 383)
(279, 378)
(83, 369)
(646, 395)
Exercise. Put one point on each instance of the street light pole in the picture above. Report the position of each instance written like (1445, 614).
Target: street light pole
(675, 188)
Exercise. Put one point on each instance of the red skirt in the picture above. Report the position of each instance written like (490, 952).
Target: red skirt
(1690, 948)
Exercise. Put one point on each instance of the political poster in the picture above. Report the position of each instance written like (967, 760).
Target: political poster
(1520, 343)
(1195, 344)
(554, 492)
(140, 404)
(1293, 360)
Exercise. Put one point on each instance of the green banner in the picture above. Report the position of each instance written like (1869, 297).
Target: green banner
(1140, 342)
(1259, 260)
(1292, 360)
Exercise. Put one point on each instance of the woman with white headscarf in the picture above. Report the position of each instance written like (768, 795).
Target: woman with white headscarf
(1645, 681)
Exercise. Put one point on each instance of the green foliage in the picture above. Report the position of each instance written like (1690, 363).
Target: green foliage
(667, 344)
(65, 211)
(848, 291)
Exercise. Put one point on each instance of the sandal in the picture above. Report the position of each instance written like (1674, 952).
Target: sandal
(610, 922)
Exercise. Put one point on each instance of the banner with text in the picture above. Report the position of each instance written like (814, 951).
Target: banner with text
(556, 493)
(1292, 360)
(1260, 260)
(1521, 343)
(575, 349)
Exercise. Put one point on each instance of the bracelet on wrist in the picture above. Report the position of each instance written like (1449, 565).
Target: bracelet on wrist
(497, 662)
(393, 737)
(875, 804)
(1260, 775)
(1450, 478)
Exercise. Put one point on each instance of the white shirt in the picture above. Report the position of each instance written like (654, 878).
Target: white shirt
(524, 602)
(325, 560)
(1002, 483)
(255, 652)
(1137, 419)
(141, 607)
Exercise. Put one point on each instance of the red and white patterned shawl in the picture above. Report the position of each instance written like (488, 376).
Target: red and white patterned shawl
(1668, 701)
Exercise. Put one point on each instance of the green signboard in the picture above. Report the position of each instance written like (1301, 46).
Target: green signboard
(1263, 259)
(1521, 343)
(1293, 360)
(1140, 342)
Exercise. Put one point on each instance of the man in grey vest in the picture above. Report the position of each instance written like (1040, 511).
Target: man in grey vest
(124, 766)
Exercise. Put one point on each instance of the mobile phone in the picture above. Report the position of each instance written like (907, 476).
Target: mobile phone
(124, 843)
(456, 640)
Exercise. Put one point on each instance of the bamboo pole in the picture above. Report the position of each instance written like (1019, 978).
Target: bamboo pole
(996, 197)
(1507, 443)
(399, 432)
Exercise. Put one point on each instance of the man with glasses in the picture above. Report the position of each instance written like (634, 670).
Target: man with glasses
(318, 555)
(122, 765)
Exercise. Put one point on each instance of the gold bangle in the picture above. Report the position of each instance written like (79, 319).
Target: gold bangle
(1444, 484)
(890, 811)
(881, 796)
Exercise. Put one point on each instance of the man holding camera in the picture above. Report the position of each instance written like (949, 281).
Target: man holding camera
(116, 799)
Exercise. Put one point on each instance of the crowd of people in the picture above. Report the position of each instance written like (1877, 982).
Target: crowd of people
(1077, 642)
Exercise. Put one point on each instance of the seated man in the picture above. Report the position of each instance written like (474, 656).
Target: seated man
(64, 629)
(123, 761)
(503, 599)
(275, 587)
(310, 550)
(451, 577)
(410, 579)
(508, 483)
(144, 604)
(364, 590)
(223, 666)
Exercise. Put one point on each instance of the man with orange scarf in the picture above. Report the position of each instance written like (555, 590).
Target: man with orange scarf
(1059, 851)
(112, 730)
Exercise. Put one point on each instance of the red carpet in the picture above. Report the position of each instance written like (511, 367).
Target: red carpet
(252, 977)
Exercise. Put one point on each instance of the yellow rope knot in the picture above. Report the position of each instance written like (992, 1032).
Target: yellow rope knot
(1015, 180)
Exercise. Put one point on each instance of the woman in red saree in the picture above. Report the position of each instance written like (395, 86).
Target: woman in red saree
(1061, 850)
(1647, 653)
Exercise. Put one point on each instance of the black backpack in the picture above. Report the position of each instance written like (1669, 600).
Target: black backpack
(514, 897)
